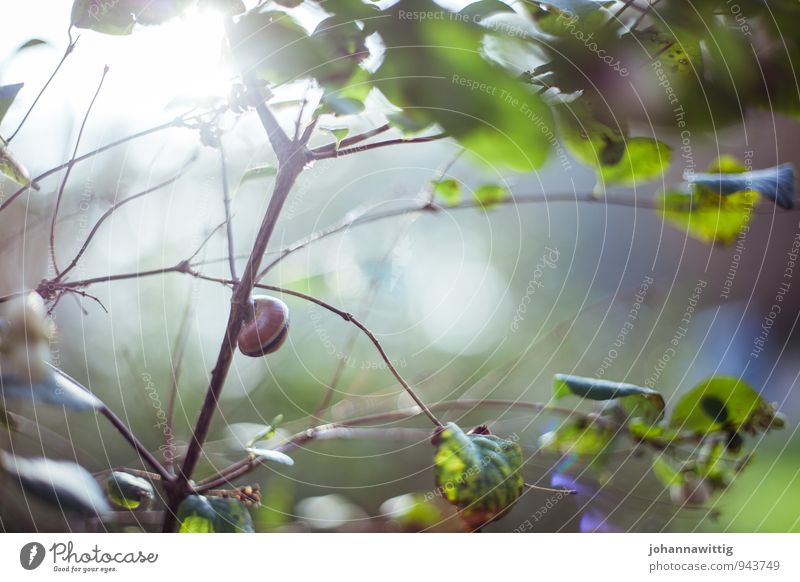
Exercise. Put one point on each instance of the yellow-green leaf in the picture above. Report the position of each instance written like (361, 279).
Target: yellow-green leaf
(128, 491)
(707, 216)
(11, 167)
(449, 190)
(479, 473)
(490, 195)
(722, 402)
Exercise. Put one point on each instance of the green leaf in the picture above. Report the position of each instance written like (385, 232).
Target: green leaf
(722, 402)
(643, 159)
(436, 73)
(259, 172)
(562, 17)
(579, 437)
(597, 139)
(118, 17)
(679, 55)
(55, 389)
(32, 43)
(61, 483)
(278, 49)
(595, 389)
(665, 472)
(7, 95)
(129, 491)
(195, 515)
(264, 455)
(336, 104)
(338, 133)
(490, 195)
(101, 16)
(413, 511)
(449, 190)
(267, 432)
(12, 168)
(707, 216)
(200, 514)
(477, 11)
(231, 516)
(6, 420)
(479, 473)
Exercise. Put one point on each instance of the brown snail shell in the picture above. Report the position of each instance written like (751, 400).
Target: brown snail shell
(266, 327)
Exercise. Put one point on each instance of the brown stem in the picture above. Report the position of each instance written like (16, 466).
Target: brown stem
(323, 153)
(323, 432)
(352, 140)
(70, 164)
(247, 464)
(292, 157)
(177, 122)
(113, 208)
(226, 202)
(67, 52)
(146, 455)
(178, 352)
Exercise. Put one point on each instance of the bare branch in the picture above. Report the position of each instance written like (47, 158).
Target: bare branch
(70, 164)
(226, 201)
(144, 454)
(67, 52)
(116, 207)
(179, 121)
(323, 154)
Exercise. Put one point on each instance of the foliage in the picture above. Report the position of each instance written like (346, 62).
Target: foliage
(478, 472)
(201, 514)
(713, 417)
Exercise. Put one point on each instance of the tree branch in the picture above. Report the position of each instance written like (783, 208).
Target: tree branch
(145, 455)
(179, 121)
(346, 429)
(323, 153)
(323, 432)
(226, 201)
(67, 52)
(116, 207)
(292, 157)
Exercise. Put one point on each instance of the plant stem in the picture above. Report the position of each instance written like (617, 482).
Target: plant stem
(226, 201)
(292, 157)
(146, 455)
(70, 164)
(67, 52)
(177, 122)
(324, 153)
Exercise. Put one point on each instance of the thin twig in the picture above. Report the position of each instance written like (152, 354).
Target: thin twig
(364, 309)
(67, 52)
(226, 200)
(178, 352)
(146, 455)
(116, 207)
(69, 170)
(292, 158)
(352, 140)
(324, 154)
(324, 432)
(550, 489)
(248, 463)
(179, 121)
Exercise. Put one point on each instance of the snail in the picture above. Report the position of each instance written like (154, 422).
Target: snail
(266, 327)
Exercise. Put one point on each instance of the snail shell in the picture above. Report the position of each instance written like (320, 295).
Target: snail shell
(266, 327)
